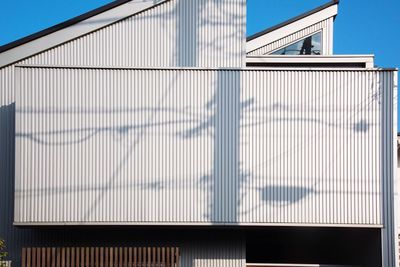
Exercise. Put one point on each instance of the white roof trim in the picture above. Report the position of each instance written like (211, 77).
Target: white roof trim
(291, 28)
(76, 30)
(368, 60)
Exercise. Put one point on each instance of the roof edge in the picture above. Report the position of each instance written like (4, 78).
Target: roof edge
(289, 21)
(65, 24)
(49, 66)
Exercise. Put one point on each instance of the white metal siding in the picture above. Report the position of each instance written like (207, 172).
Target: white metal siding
(389, 170)
(202, 33)
(323, 26)
(177, 33)
(7, 86)
(310, 151)
(102, 146)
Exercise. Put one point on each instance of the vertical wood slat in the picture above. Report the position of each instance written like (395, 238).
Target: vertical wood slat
(130, 257)
(72, 257)
(163, 257)
(77, 257)
(92, 257)
(53, 257)
(100, 257)
(23, 260)
(139, 258)
(111, 257)
(158, 257)
(168, 255)
(106, 253)
(97, 263)
(48, 257)
(62, 257)
(58, 252)
(44, 258)
(134, 257)
(87, 257)
(173, 257)
(144, 250)
(120, 257)
(28, 257)
(82, 257)
(125, 257)
(38, 258)
(116, 257)
(177, 257)
(68, 257)
(154, 257)
(33, 257)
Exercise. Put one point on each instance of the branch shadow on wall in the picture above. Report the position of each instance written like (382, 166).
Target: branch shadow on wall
(226, 178)
(224, 184)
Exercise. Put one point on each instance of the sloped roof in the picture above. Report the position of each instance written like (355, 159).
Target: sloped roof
(61, 25)
(6, 49)
(287, 22)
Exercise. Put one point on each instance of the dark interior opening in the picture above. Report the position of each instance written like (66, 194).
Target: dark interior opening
(307, 65)
(309, 245)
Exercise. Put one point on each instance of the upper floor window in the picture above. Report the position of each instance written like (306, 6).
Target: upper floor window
(308, 46)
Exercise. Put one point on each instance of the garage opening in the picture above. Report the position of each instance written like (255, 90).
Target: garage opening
(307, 247)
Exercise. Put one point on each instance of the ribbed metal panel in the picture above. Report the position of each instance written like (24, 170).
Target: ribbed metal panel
(202, 33)
(292, 38)
(310, 147)
(7, 86)
(389, 169)
(199, 146)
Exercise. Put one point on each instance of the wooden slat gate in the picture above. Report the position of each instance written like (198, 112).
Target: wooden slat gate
(100, 257)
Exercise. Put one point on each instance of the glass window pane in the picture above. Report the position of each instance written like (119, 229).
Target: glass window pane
(308, 46)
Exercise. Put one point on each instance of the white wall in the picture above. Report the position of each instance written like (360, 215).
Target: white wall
(134, 146)
(202, 33)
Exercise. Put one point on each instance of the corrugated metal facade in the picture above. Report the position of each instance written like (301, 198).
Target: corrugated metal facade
(389, 169)
(325, 26)
(201, 33)
(7, 92)
(199, 146)
(167, 123)
(177, 33)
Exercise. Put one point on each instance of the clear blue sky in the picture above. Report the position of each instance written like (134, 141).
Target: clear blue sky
(362, 26)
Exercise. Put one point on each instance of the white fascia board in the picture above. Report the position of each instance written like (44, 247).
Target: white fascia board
(74, 31)
(199, 224)
(367, 59)
(291, 28)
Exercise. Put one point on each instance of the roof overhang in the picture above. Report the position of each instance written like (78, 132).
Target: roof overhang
(296, 24)
(312, 61)
(72, 29)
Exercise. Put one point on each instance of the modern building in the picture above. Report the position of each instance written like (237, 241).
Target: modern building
(155, 131)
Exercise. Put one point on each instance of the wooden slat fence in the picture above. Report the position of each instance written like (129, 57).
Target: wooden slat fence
(100, 257)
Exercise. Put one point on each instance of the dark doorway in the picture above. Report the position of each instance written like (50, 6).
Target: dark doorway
(309, 245)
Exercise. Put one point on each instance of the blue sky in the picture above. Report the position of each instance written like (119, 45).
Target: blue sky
(362, 26)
